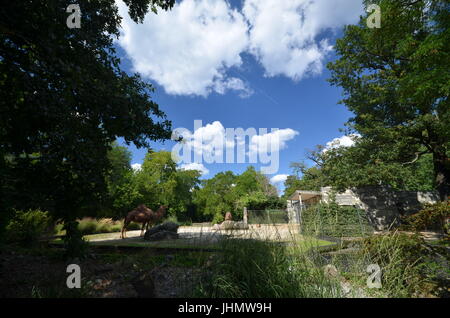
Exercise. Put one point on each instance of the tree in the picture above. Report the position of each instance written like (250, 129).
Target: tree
(227, 192)
(119, 158)
(395, 80)
(216, 196)
(360, 165)
(304, 178)
(63, 101)
(160, 182)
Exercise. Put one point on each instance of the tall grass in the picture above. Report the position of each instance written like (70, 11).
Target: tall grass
(254, 264)
(264, 268)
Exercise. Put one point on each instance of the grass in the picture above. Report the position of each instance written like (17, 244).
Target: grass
(294, 266)
(249, 268)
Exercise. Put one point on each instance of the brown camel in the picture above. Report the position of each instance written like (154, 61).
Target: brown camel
(143, 215)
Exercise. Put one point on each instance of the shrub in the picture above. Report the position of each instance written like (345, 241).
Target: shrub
(333, 220)
(408, 265)
(88, 226)
(26, 227)
(218, 218)
(432, 217)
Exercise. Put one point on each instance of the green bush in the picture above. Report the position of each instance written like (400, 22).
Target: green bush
(410, 268)
(333, 220)
(26, 227)
(218, 218)
(432, 217)
(88, 226)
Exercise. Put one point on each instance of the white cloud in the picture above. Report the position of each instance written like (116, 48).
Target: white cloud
(284, 34)
(195, 166)
(207, 140)
(278, 178)
(214, 143)
(136, 166)
(188, 49)
(273, 141)
(344, 141)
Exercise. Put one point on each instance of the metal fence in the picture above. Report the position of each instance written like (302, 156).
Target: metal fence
(271, 216)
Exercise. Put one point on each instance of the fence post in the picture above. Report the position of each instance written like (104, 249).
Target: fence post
(245, 215)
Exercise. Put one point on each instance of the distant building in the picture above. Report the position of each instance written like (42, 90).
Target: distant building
(383, 205)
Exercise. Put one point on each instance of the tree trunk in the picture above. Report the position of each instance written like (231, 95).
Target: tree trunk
(442, 174)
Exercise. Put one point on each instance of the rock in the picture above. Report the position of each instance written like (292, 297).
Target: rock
(144, 286)
(169, 230)
(166, 226)
(231, 225)
(162, 235)
(240, 225)
(227, 225)
(330, 271)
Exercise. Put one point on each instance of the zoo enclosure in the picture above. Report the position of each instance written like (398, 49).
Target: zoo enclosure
(269, 216)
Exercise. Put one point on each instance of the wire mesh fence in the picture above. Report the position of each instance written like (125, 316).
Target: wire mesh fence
(270, 216)
(335, 221)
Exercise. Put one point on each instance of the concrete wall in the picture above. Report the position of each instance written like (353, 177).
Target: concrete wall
(383, 205)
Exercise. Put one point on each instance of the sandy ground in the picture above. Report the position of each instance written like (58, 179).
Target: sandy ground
(279, 232)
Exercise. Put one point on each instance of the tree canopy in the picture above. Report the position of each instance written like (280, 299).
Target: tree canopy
(395, 80)
(64, 100)
(227, 192)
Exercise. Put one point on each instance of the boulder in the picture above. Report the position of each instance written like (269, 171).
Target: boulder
(165, 231)
(330, 271)
(227, 225)
(232, 225)
(161, 235)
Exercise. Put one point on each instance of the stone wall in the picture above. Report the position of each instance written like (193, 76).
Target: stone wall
(383, 205)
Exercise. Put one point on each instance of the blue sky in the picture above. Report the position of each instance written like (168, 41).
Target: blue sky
(249, 75)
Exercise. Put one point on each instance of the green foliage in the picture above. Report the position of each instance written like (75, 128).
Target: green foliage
(334, 220)
(432, 217)
(64, 100)
(408, 265)
(395, 80)
(226, 192)
(360, 165)
(26, 227)
(304, 178)
(264, 269)
(259, 201)
(88, 226)
(160, 182)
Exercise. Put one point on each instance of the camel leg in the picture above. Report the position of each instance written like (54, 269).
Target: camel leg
(142, 229)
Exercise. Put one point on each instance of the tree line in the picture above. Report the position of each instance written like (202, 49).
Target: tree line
(190, 199)
(64, 100)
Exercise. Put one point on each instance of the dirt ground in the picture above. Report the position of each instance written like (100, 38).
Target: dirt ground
(42, 273)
